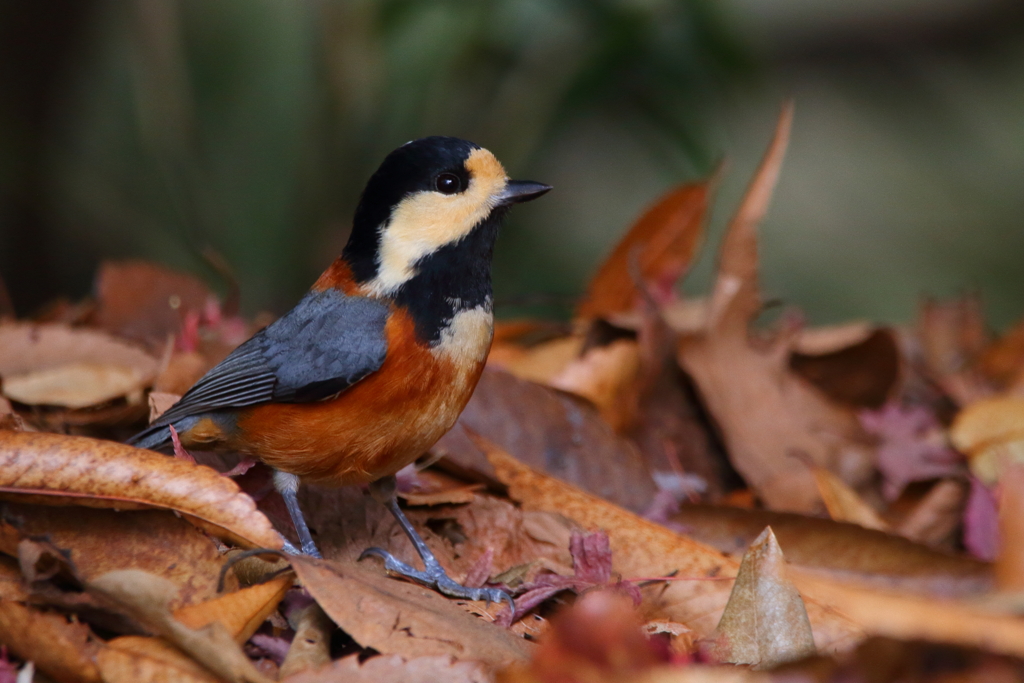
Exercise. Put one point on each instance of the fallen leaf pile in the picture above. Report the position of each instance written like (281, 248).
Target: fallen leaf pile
(674, 488)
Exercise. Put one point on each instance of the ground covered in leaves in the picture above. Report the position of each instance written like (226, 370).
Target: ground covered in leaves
(674, 488)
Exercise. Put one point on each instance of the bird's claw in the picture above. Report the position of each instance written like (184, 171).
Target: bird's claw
(435, 577)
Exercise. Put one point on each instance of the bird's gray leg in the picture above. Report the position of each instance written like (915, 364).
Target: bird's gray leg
(288, 486)
(433, 573)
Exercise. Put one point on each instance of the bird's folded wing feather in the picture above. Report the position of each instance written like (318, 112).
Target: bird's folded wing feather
(324, 345)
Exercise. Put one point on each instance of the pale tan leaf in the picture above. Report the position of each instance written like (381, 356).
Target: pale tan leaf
(990, 432)
(55, 364)
(56, 469)
(145, 598)
(765, 622)
(240, 612)
(311, 647)
(844, 504)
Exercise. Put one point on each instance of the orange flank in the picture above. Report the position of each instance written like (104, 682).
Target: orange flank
(368, 431)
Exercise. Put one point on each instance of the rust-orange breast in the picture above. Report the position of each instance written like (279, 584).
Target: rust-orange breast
(374, 428)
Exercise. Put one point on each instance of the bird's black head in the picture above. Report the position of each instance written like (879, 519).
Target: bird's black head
(424, 230)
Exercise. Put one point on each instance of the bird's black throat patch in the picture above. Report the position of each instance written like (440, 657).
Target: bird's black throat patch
(455, 278)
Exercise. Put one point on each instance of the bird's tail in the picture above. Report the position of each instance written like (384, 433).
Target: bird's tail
(154, 438)
(157, 436)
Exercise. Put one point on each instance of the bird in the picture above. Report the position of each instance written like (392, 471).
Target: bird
(376, 362)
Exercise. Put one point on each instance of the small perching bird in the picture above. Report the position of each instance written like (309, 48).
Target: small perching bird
(378, 360)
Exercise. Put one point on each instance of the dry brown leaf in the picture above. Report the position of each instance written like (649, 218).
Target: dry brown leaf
(537, 363)
(347, 522)
(12, 586)
(394, 669)
(606, 376)
(58, 365)
(936, 518)
(145, 598)
(840, 550)
(765, 622)
(240, 612)
(155, 541)
(1009, 565)
(58, 469)
(311, 647)
(145, 301)
(1003, 360)
(642, 549)
(394, 617)
(62, 650)
(662, 243)
(843, 503)
(861, 374)
(139, 659)
(772, 422)
(991, 433)
(550, 431)
(951, 335)
(914, 617)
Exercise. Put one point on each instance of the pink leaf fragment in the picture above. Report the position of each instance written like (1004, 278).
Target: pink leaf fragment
(592, 567)
(8, 669)
(912, 446)
(179, 450)
(981, 522)
(241, 468)
(480, 571)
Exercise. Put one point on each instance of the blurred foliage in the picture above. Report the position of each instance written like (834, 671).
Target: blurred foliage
(250, 126)
(169, 128)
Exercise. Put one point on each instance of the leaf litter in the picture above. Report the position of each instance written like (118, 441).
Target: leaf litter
(672, 490)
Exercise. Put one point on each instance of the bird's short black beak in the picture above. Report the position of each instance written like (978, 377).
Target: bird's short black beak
(518, 191)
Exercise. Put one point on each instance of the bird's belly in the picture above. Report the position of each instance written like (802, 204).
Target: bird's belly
(371, 430)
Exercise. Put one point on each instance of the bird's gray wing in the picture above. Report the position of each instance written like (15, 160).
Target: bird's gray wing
(324, 345)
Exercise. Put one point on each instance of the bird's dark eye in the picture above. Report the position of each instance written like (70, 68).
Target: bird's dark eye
(448, 183)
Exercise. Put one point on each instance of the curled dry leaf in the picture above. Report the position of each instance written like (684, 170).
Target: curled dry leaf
(858, 372)
(772, 422)
(642, 549)
(843, 503)
(69, 470)
(311, 647)
(662, 243)
(935, 519)
(765, 622)
(62, 650)
(550, 431)
(990, 432)
(394, 617)
(58, 365)
(840, 550)
(154, 541)
(145, 598)
(914, 617)
(605, 376)
(145, 301)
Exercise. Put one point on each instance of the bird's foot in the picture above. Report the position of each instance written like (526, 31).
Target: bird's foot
(434, 576)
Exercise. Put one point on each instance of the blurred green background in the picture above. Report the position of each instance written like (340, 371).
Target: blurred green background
(158, 128)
